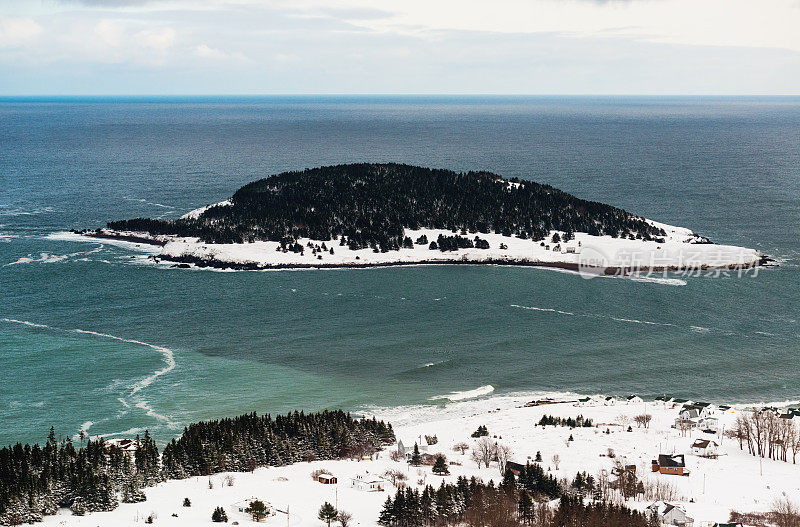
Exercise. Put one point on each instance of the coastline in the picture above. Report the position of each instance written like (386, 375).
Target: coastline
(714, 487)
(593, 255)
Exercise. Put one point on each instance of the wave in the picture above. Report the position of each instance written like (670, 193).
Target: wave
(654, 280)
(48, 257)
(168, 356)
(5, 210)
(591, 315)
(467, 394)
(151, 203)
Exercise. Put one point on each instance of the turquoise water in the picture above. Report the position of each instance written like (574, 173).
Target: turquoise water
(271, 341)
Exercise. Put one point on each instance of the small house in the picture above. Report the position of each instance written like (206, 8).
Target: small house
(514, 467)
(327, 479)
(704, 447)
(128, 446)
(705, 408)
(670, 464)
(610, 401)
(634, 399)
(708, 423)
(689, 412)
(583, 401)
(367, 483)
(671, 514)
(407, 449)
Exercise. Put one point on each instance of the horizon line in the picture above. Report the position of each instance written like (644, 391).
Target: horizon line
(604, 95)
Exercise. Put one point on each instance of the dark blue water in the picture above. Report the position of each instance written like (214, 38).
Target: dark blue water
(727, 168)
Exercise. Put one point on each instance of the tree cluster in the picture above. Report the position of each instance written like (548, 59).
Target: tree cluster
(473, 503)
(370, 205)
(37, 480)
(572, 422)
(249, 441)
(767, 435)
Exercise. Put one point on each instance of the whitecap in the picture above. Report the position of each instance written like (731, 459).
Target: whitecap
(466, 394)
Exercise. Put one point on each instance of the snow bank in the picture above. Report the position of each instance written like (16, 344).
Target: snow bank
(681, 250)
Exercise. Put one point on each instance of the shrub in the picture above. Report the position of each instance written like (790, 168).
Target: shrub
(219, 515)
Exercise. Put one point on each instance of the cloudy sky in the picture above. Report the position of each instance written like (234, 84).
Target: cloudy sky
(400, 46)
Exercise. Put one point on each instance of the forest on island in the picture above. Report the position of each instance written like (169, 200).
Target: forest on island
(371, 205)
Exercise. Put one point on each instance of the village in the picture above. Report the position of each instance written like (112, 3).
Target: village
(686, 462)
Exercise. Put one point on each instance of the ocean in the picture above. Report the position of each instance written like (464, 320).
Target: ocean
(95, 338)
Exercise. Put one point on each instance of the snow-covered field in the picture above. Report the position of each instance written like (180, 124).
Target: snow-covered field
(735, 480)
(680, 251)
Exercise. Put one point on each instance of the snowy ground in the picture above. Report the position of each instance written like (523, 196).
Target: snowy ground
(733, 481)
(584, 252)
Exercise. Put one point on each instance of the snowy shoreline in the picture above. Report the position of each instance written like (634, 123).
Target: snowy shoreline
(681, 250)
(734, 480)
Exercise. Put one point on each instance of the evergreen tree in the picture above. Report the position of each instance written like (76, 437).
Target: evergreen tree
(440, 466)
(219, 515)
(416, 458)
(327, 513)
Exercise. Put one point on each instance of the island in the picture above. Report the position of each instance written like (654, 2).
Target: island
(371, 214)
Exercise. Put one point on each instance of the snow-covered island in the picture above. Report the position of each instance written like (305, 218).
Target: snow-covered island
(378, 215)
(702, 472)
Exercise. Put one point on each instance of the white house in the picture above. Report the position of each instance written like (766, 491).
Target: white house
(708, 423)
(704, 447)
(689, 412)
(609, 401)
(128, 446)
(634, 399)
(583, 401)
(407, 449)
(367, 482)
(671, 514)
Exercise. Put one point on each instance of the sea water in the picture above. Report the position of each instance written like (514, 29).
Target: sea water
(95, 338)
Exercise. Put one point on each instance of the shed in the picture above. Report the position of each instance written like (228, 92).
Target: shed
(327, 479)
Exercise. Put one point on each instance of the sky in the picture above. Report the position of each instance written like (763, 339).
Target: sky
(650, 47)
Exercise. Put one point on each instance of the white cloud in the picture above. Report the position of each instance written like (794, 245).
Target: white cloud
(160, 39)
(206, 52)
(110, 32)
(17, 32)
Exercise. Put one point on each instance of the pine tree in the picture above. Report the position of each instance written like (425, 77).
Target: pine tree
(440, 466)
(219, 515)
(327, 513)
(387, 517)
(416, 458)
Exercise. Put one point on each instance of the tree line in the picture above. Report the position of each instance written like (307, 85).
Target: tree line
(767, 435)
(36, 480)
(511, 503)
(370, 205)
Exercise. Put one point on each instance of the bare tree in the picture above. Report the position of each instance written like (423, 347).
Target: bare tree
(556, 461)
(344, 518)
(502, 453)
(643, 420)
(785, 513)
(395, 476)
(461, 447)
(623, 420)
(483, 452)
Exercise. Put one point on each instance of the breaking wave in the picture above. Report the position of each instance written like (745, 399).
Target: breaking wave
(467, 394)
(48, 257)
